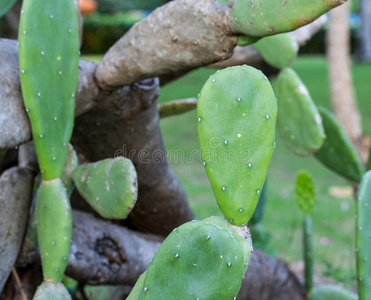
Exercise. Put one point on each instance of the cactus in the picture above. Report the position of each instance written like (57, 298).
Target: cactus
(70, 165)
(51, 291)
(236, 128)
(109, 186)
(138, 287)
(5, 6)
(279, 50)
(261, 18)
(48, 74)
(54, 228)
(337, 152)
(363, 238)
(298, 120)
(305, 196)
(327, 292)
(208, 259)
(305, 199)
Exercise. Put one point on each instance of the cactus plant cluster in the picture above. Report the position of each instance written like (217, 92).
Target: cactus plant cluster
(49, 73)
(236, 115)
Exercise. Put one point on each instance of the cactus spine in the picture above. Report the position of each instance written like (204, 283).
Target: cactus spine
(236, 128)
(49, 73)
(363, 238)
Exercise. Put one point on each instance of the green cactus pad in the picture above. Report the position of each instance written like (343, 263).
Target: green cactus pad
(237, 112)
(198, 260)
(363, 238)
(331, 292)
(109, 186)
(48, 62)
(138, 287)
(5, 6)
(278, 50)
(51, 291)
(242, 234)
(298, 120)
(337, 152)
(70, 165)
(262, 18)
(305, 194)
(54, 228)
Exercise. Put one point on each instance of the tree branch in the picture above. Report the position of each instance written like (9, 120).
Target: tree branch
(105, 253)
(126, 123)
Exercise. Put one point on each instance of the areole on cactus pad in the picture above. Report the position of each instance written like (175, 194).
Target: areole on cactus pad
(237, 112)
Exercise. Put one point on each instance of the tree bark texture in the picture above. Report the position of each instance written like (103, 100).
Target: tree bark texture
(343, 96)
(105, 253)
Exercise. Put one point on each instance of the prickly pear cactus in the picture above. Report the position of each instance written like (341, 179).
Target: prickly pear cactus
(109, 186)
(305, 195)
(337, 152)
(5, 6)
(208, 259)
(236, 128)
(48, 62)
(138, 287)
(363, 238)
(262, 17)
(54, 228)
(279, 50)
(51, 291)
(298, 120)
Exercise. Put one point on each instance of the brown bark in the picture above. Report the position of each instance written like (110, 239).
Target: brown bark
(126, 123)
(105, 253)
(343, 96)
(181, 35)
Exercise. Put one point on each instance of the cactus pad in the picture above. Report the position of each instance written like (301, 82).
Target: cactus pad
(278, 50)
(305, 195)
(51, 291)
(48, 62)
(208, 261)
(109, 186)
(298, 120)
(236, 128)
(363, 238)
(54, 228)
(261, 17)
(337, 152)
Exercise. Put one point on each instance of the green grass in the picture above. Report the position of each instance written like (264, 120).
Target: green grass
(333, 218)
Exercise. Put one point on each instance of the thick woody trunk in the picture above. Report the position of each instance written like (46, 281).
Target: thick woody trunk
(343, 96)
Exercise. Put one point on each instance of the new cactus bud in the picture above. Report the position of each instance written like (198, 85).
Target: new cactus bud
(279, 50)
(70, 165)
(54, 228)
(208, 261)
(51, 291)
(363, 238)
(337, 152)
(298, 120)
(48, 72)
(305, 195)
(109, 186)
(236, 128)
(261, 18)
